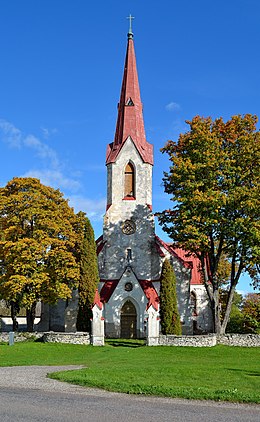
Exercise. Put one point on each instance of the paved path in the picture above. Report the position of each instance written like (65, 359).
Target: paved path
(26, 395)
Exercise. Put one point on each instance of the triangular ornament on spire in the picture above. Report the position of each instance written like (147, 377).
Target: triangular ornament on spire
(130, 123)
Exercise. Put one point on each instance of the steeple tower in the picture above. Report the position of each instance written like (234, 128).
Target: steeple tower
(130, 121)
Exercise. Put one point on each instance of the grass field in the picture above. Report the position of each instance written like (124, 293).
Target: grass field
(218, 373)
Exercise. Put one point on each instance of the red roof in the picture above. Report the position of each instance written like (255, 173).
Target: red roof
(130, 112)
(109, 286)
(150, 293)
(100, 244)
(107, 289)
(195, 273)
(97, 300)
(189, 261)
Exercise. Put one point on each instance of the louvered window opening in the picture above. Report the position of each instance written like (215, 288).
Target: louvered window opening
(129, 181)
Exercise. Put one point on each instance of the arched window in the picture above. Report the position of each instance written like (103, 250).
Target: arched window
(193, 303)
(129, 181)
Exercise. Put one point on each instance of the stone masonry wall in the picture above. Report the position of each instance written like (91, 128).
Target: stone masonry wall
(69, 338)
(18, 337)
(242, 340)
(245, 340)
(191, 341)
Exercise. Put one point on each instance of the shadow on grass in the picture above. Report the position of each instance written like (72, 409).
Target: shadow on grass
(120, 342)
(248, 373)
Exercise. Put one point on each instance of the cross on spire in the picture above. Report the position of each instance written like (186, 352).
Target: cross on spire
(130, 32)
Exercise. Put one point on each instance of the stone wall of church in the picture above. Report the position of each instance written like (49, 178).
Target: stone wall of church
(183, 291)
(115, 256)
(204, 320)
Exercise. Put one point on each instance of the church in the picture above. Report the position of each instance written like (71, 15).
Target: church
(130, 254)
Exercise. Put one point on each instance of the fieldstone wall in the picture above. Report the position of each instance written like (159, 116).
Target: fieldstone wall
(69, 338)
(191, 341)
(242, 340)
(18, 337)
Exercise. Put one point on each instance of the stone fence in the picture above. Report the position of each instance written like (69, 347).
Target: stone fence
(49, 337)
(244, 340)
(69, 338)
(193, 341)
(20, 336)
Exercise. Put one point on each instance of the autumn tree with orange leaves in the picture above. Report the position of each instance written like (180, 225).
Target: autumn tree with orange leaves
(214, 183)
(37, 246)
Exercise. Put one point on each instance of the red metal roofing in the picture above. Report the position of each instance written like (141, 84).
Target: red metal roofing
(150, 293)
(189, 261)
(107, 289)
(100, 244)
(130, 113)
(195, 273)
(97, 300)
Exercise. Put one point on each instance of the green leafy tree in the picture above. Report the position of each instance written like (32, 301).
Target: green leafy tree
(170, 318)
(88, 282)
(251, 313)
(36, 247)
(214, 185)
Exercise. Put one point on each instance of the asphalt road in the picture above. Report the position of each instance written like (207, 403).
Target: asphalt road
(26, 395)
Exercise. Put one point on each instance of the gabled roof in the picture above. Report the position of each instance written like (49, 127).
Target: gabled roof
(189, 261)
(100, 243)
(107, 289)
(151, 294)
(130, 121)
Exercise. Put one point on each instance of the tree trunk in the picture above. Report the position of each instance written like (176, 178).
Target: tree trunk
(30, 316)
(14, 311)
(216, 311)
(228, 308)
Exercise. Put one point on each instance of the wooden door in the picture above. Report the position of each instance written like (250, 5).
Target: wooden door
(128, 320)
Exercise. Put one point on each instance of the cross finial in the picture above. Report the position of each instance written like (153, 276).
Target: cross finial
(130, 32)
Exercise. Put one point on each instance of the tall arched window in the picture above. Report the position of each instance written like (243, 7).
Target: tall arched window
(129, 181)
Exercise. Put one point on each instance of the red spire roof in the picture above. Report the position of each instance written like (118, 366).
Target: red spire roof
(130, 112)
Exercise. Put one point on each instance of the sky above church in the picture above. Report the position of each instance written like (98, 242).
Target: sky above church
(60, 78)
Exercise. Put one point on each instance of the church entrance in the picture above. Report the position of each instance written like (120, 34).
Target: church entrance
(128, 320)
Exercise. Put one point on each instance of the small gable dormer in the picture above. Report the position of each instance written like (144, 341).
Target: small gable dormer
(129, 102)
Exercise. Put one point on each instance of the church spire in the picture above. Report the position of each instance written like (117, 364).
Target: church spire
(130, 111)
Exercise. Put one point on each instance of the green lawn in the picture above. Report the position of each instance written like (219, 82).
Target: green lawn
(218, 373)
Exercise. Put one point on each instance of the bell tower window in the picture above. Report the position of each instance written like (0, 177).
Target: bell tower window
(129, 187)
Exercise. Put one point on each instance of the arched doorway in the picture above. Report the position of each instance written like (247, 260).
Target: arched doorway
(128, 320)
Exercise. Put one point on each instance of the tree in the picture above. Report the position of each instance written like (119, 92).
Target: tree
(37, 243)
(88, 282)
(170, 318)
(236, 319)
(251, 313)
(214, 185)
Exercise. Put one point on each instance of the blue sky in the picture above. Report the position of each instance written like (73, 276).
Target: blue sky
(60, 79)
